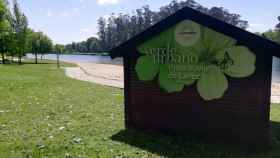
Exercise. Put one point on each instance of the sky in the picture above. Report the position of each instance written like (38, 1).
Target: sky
(66, 21)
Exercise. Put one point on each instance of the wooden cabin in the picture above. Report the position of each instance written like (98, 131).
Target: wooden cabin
(196, 74)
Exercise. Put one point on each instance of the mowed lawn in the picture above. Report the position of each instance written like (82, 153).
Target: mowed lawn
(44, 114)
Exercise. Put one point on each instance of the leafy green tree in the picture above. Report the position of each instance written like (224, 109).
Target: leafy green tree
(40, 44)
(59, 49)
(16, 39)
(4, 29)
(35, 44)
(46, 45)
(102, 32)
(20, 28)
(92, 44)
(274, 34)
(278, 25)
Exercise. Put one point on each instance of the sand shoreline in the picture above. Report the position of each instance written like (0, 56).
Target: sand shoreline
(104, 74)
(113, 75)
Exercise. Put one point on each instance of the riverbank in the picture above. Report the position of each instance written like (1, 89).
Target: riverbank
(103, 74)
(275, 93)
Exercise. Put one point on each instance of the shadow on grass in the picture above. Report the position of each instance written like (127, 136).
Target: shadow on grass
(9, 62)
(51, 62)
(275, 132)
(40, 62)
(171, 146)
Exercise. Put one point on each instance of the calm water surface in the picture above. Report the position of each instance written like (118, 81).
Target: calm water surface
(81, 58)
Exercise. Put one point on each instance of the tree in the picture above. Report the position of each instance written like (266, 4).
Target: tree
(16, 39)
(224, 15)
(273, 34)
(140, 20)
(46, 45)
(148, 16)
(4, 29)
(19, 24)
(102, 32)
(131, 26)
(58, 48)
(278, 25)
(35, 44)
(40, 44)
(92, 44)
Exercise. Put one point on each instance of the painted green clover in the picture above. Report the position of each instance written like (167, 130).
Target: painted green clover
(189, 53)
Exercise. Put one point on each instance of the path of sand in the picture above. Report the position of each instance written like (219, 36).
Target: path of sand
(104, 74)
(275, 93)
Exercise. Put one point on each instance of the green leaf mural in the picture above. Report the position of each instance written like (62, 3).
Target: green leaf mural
(189, 53)
(168, 83)
(213, 84)
(146, 68)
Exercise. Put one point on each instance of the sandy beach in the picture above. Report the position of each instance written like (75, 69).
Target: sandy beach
(104, 74)
(113, 75)
(275, 93)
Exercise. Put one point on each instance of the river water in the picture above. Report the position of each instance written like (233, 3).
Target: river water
(107, 59)
(81, 58)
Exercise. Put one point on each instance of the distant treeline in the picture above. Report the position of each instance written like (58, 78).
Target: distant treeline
(118, 28)
(91, 45)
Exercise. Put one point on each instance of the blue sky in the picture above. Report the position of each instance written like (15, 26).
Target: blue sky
(76, 20)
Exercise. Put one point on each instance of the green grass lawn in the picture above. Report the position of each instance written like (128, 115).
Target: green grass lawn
(44, 114)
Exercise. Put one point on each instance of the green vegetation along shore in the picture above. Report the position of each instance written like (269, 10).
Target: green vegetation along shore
(45, 114)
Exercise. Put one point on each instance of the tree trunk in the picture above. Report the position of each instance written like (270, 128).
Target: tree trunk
(36, 58)
(3, 58)
(19, 59)
(57, 60)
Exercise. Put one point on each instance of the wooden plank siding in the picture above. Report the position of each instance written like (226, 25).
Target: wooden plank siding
(242, 115)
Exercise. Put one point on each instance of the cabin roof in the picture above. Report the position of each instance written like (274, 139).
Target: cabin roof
(267, 46)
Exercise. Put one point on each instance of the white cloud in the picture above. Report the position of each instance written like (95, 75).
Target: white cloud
(107, 16)
(84, 7)
(76, 11)
(70, 13)
(49, 13)
(107, 2)
(86, 30)
(258, 27)
(64, 14)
